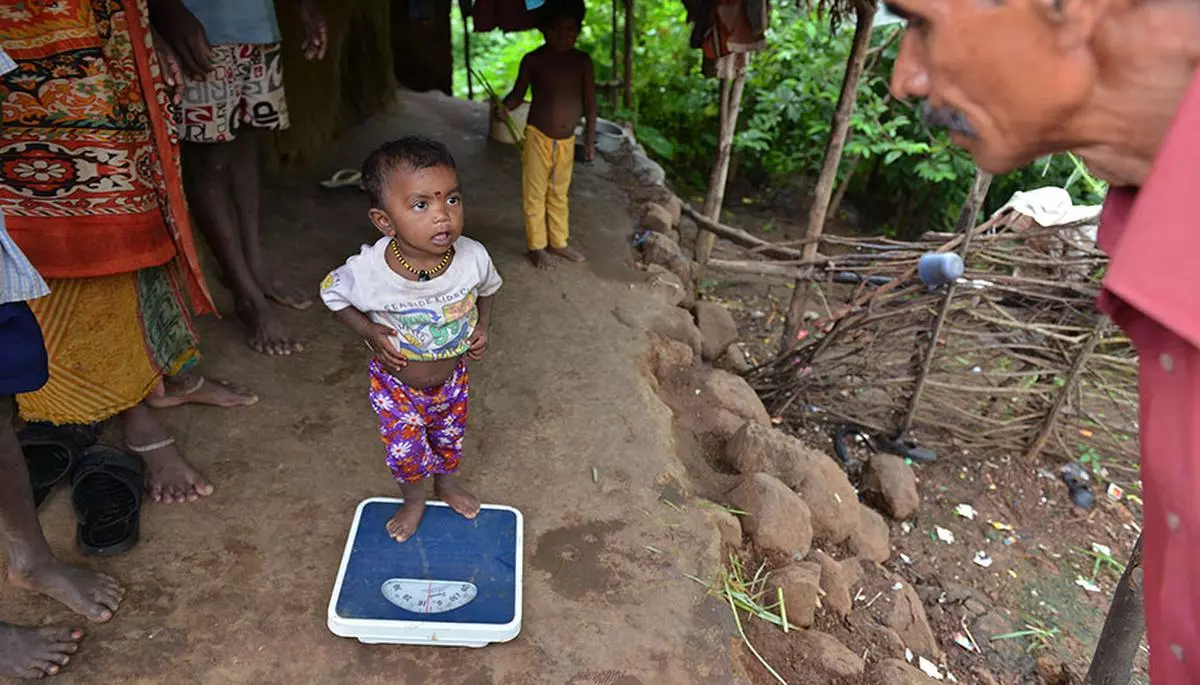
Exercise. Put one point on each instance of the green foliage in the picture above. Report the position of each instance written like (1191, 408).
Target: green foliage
(904, 178)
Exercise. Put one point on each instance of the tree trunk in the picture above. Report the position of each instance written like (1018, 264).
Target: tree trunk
(467, 57)
(628, 72)
(731, 103)
(864, 15)
(1124, 626)
(612, 93)
(836, 203)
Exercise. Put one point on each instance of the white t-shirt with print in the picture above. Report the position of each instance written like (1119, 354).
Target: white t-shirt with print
(434, 319)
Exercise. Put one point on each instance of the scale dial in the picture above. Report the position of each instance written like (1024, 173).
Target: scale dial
(428, 596)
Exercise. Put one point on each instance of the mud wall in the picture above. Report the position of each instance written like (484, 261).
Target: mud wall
(353, 81)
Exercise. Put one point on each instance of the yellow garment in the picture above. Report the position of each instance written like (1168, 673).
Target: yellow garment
(548, 163)
(110, 339)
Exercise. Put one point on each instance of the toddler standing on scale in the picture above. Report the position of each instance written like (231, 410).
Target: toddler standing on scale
(421, 297)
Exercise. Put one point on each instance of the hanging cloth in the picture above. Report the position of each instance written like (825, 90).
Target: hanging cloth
(732, 30)
(507, 15)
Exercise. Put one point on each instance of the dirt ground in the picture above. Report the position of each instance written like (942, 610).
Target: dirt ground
(1038, 544)
(234, 589)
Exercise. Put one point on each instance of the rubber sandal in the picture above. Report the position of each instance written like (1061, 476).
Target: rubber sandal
(50, 453)
(909, 450)
(106, 490)
(343, 179)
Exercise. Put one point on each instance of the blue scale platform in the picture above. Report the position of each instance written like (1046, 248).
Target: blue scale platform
(456, 582)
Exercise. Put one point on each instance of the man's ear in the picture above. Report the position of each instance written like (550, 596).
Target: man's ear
(1076, 21)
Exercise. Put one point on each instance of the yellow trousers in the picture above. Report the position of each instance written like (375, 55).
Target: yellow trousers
(545, 180)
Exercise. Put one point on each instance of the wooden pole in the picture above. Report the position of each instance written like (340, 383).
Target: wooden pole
(836, 203)
(864, 11)
(966, 217)
(1069, 384)
(927, 363)
(731, 102)
(612, 93)
(467, 56)
(975, 198)
(1112, 664)
(628, 74)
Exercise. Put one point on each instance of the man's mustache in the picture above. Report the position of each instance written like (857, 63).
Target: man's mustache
(947, 118)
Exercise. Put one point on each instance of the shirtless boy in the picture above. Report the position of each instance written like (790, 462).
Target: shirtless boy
(421, 298)
(564, 88)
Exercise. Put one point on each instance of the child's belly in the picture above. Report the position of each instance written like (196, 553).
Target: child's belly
(426, 374)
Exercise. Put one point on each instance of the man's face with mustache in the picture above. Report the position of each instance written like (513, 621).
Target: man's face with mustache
(1002, 76)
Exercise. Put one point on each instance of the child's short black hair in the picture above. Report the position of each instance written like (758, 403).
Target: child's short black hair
(412, 153)
(554, 10)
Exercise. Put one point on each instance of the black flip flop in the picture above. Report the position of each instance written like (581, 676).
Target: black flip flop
(106, 491)
(50, 453)
(908, 449)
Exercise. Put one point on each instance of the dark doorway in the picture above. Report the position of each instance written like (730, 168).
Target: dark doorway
(423, 56)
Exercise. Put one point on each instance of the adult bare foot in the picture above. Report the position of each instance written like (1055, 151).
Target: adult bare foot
(541, 259)
(169, 477)
(404, 524)
(94, 596)
(34, 653)
(459, 498)
(192, 388)
(568, 253)
(282, 295)
(265, 332)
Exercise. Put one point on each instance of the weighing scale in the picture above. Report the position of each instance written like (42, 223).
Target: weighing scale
(454, 583)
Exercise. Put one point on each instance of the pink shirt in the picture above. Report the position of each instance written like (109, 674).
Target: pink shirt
(1152, 291)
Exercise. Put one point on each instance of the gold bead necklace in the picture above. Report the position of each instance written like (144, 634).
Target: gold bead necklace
(423, 274)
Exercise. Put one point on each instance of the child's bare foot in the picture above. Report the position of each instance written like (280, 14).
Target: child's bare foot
(404, 524)
(34, 653)
(568, 253)
(458, 497)
(541, 259)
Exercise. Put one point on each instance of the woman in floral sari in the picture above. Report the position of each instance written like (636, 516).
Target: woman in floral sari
(90, 185)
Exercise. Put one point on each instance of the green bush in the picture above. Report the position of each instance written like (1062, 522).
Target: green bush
(906, 179)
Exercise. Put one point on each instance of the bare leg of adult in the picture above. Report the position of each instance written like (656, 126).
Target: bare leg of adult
(169, 477)
(210, 176)
(31, 565)
(246, 184)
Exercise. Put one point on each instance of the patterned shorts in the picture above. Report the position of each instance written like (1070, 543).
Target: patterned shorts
(245, 87)
(422, 428)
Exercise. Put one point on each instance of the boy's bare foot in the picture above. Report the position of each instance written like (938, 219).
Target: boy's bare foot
(169, 477)
(34, 653)
(404, 524)
(568, 253)
(192, 388)
(265, 332)
(541, 259)
(94, 596)
(458, 497)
